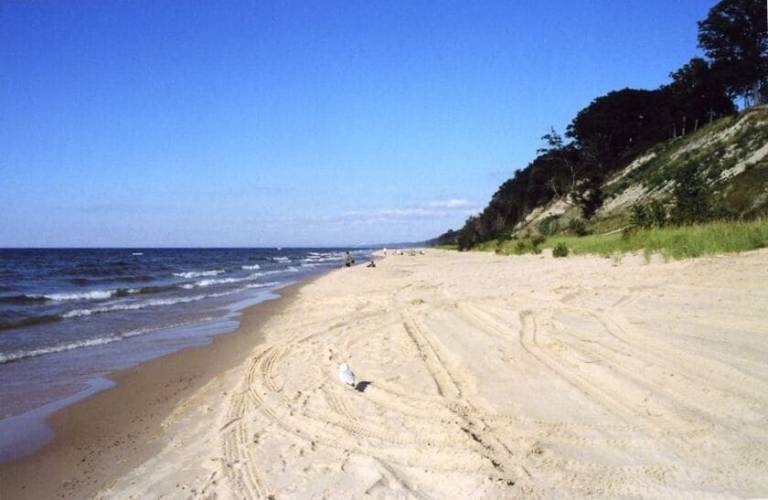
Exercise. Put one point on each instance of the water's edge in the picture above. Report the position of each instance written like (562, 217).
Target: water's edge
(24, 434)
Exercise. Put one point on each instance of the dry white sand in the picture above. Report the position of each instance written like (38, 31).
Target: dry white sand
(489, 376)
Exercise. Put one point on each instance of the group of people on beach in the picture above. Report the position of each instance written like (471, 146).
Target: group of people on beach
(349, 260)
(411, 252)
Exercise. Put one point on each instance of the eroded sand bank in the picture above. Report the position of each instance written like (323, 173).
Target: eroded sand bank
(490, 377)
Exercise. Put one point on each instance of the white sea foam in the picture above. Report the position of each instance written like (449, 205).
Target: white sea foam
(13, 356)
(220, 281)
(92, 295)
(16, 355)
(282, 260)
(329, 257)
(242, 289)
(251, 267)
(199, 274)
(263, 285)
(271, 272)
(130, 306)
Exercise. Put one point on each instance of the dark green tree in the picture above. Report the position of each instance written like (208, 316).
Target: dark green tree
(563, 161)
(589, 196)
(657, 213)
(697, 93)
(691, 195)
(617, 126)
(734, 36)
(640, 217)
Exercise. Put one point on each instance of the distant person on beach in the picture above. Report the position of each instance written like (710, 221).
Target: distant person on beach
(349, 260)
(371, 264)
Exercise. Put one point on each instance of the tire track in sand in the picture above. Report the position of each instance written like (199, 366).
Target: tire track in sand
(334, 427)
(238, 465)
(669, 434)
(489, 444)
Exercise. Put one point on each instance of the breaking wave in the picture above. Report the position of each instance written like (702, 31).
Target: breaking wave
(8, 357)
(199, 274)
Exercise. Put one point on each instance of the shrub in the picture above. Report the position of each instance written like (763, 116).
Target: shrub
(640, 217)
(560, 250)
(537, 239)
(654, 214)
(578, 227)
(550, 225)
(657, 214)
(692, 203)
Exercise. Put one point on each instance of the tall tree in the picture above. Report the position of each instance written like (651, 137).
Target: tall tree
(734, 36)
(697, 92)
(620, 124)
(563, 160)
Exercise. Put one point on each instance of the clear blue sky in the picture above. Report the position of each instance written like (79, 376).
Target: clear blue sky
(156, 123)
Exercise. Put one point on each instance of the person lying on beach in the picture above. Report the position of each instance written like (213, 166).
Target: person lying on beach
(371, 264)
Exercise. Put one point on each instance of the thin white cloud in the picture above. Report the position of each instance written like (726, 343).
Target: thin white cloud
(437, 208)
(452, 203)
(397, 213)
(417, 213)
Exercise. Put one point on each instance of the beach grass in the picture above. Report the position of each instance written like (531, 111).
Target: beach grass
(675, 242)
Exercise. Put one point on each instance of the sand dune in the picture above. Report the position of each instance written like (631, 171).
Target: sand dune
(494, 377)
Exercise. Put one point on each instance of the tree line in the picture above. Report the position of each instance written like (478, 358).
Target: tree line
(615, 128)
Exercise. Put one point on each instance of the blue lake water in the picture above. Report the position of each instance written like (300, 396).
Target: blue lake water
(69, 317)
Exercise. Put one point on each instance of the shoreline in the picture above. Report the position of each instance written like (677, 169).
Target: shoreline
(106, 434)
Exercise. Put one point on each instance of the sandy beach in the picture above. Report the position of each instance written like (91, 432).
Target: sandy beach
(483, 376)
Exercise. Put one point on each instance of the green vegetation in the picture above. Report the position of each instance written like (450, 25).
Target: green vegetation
(677, 242)
(446, 239)
(646, 216)
(448, 247)
(733, 36)
(688, 140)
(550, 225)
(747, 193)
(560, 250)
(691, 195)
(578, 227)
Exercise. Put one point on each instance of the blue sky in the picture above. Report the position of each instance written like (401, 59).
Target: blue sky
(186, 123)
